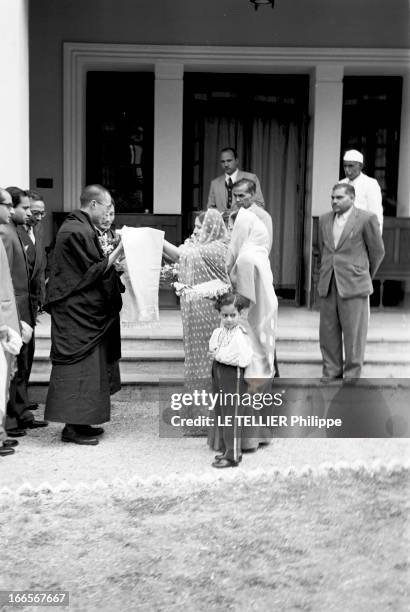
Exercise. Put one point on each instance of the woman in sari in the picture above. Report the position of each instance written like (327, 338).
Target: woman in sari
(198, 263)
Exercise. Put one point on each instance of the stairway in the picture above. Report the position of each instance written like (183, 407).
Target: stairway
(153, 353)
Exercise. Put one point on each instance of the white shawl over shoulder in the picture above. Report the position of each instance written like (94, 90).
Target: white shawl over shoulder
(251, 276)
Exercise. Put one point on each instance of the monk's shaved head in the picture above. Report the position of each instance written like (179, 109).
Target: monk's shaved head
(94, 192)
(95, 202)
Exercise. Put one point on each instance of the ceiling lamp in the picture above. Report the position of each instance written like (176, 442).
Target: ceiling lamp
(259, 3)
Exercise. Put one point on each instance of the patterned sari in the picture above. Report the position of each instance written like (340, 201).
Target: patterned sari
(199, 263)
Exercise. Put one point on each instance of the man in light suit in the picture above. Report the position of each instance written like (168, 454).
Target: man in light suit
(220, 193)
(368, 192)
(351, 250)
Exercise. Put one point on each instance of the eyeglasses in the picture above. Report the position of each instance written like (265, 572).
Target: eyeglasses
(38, 213)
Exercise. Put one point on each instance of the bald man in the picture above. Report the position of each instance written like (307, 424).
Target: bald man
(84, 300)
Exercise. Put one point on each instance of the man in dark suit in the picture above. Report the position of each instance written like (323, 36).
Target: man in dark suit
(19, 416)
(35, 232)
(220, 193)
(351, 250)
(30, 237)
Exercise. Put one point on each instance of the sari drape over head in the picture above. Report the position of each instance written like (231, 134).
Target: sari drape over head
(199, 263)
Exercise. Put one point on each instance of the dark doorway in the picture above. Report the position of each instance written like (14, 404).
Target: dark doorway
(265, 118)
(371, 124)
(119, 137)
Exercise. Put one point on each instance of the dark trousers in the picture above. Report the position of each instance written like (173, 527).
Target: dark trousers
(18, 414)
(225, 378)
(343, 321)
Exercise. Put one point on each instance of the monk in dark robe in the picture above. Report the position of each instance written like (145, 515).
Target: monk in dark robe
(84, 299)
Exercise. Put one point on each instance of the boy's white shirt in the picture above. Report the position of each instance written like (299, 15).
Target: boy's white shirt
(236, 352)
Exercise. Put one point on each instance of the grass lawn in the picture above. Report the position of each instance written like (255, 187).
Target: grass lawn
(335, 541)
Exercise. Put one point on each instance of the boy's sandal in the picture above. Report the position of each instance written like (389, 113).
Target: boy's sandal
(225, 463)
(219, 457)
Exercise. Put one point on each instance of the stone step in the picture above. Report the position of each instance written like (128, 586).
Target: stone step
(43, 344)
(287, 370)
(285, 343)
(157, 352)
(284, 355)
(292, 364)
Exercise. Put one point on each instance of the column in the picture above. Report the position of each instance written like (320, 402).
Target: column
(327, 99)
(403, 195)
(14, 96)
(403, 191)
(169, 89)
(326, 102)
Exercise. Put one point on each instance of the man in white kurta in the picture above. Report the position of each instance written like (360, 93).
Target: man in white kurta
(367, 189)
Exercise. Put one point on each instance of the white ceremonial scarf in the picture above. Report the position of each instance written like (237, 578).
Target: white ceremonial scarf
(143, 255)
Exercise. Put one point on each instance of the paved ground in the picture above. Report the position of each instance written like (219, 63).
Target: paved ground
(131, 447)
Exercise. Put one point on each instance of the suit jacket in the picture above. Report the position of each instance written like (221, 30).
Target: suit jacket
(355, 260)
(218, 193)
(34, 255)
(368, 195)
(19, 271)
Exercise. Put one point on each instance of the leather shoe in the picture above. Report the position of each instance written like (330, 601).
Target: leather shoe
(9, 443)
(6, 451)
(17, 432)
(219, 457)
(87, 430)
(70, 435)
(36, 424)
(225, 463)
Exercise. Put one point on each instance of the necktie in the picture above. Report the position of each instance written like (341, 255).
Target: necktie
(30, 232)
(229, 186)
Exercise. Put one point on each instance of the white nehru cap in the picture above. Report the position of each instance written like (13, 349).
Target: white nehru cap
(353, 156)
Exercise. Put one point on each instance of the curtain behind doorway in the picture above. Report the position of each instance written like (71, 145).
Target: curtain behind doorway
(271, 145)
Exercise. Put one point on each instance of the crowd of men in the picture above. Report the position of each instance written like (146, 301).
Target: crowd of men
(21, 245)
(83, 296)
(84, 293)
